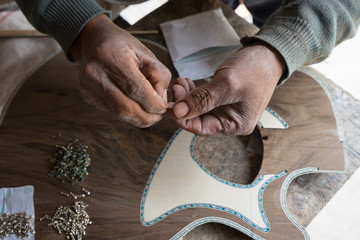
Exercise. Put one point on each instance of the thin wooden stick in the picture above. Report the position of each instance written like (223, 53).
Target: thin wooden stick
(143, 32)
(37, 34)
(21, 33)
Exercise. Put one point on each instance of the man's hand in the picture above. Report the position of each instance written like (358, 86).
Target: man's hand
(119, 74)
(232, 103)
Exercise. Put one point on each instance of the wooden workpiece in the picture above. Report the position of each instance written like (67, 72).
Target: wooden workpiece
(123, 156)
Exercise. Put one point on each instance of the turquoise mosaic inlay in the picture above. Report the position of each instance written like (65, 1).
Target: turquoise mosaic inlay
(277, 116)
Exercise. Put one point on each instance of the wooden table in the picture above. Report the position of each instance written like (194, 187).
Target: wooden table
(50, 102)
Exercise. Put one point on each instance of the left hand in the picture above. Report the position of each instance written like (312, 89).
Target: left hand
(119, 74)
(232, 103)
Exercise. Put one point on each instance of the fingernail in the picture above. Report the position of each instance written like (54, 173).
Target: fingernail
(164, 96)
(180, 109)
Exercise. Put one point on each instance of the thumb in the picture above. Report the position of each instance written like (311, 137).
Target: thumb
(201, 100)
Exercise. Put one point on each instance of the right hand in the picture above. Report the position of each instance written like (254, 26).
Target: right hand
(232, 103)
(119, 74)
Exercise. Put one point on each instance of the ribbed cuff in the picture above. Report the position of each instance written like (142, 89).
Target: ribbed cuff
(64, 20)
(291, 37)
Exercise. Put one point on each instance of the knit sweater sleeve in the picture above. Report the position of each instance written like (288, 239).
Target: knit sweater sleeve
(305, 32)
(63, 20)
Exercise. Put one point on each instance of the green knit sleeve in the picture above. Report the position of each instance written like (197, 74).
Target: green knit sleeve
(63, 20)
(305, 32)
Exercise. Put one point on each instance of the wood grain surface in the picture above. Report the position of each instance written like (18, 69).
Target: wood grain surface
(123, 156)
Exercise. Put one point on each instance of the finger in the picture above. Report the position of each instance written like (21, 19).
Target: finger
(182, 82)
(202, 100)
(110, 98)
(138, 88)
(186, 83)
(204, 125)
(159, 77)
(178, 92)
(223, 121)
(190, 83)
(128, 110)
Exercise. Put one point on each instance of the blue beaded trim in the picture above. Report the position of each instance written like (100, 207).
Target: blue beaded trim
(205, 205)
(224, 221)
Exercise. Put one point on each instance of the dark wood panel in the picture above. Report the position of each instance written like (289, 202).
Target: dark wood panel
(123, 157)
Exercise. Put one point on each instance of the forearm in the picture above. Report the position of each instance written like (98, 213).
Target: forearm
(62, 20)
(305, 32)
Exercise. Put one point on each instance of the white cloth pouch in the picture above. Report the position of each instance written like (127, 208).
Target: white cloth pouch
(200, 43)
(18, 200)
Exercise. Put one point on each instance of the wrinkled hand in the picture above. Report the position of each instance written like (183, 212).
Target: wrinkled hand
(232, 103)
(119, 74)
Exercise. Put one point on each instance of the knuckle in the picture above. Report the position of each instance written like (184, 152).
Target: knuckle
(246, 125)
(240, 120)
(239, 127)
(229, 79)
(247, 130)
(204, 98)
(125, 114)
(228, 128)
(167, 74)
(134, 91)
